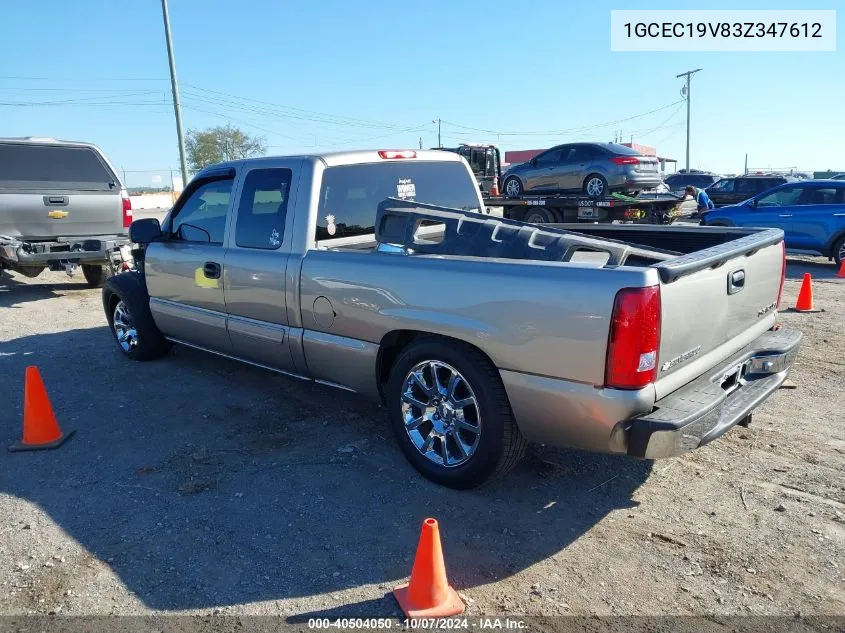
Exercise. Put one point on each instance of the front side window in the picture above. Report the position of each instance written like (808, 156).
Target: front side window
(262, 209)
(552, 157)
(726, 185)
(202, 217)
(780, 198)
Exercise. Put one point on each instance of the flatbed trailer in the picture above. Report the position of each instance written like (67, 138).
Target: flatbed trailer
(647, 209)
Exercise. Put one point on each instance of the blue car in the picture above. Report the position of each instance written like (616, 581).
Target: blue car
(811, 214)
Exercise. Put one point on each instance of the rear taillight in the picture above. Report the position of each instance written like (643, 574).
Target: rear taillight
(634, 338)
(127, 208)
(397, 153)
(782, 273)
(625, 160)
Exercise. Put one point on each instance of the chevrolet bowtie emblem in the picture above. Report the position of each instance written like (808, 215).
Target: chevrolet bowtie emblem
(58, 214)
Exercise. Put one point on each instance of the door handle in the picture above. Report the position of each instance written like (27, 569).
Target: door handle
(785, 215)
(211, 270)
(736, 281)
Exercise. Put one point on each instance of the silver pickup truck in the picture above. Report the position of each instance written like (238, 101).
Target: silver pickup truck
(62, 206)
(380, 272)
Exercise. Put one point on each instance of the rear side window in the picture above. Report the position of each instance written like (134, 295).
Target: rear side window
(749, 186)
(350, 194)
(624, 150)
(262, 210)
(24, 166)
(587, 152)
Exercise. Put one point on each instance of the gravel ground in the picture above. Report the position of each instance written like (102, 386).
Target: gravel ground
(198, 485)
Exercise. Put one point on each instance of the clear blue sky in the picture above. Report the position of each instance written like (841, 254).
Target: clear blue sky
(339, 74)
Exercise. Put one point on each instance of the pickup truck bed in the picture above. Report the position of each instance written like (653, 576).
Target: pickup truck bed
(477, 333)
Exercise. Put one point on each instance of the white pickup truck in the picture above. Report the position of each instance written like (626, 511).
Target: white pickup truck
(379, 272)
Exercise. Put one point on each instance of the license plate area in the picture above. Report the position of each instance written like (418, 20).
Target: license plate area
(588, 214)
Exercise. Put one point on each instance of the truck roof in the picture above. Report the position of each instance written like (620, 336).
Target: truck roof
(44, 140)
(353, 157)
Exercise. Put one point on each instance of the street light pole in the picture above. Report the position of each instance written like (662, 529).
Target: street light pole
(177, 106)
(688, 75)
(438, 121)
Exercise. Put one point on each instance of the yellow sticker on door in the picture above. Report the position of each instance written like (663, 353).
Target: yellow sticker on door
(204, 282)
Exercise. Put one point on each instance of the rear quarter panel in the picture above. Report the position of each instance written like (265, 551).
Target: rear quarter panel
(543, 318)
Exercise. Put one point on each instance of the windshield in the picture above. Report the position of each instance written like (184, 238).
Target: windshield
(350, 194)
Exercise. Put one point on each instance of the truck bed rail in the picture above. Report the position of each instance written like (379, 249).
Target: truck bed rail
(478, 235)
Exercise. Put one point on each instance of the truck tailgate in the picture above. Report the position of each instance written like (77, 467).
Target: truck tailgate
(60, 213)
(710, 313)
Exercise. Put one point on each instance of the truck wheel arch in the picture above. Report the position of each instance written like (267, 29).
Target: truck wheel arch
(395, 341)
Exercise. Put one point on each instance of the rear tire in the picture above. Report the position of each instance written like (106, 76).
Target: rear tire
(595, 186)
(492, 450)
(127, 307)
(839, 251)
(538, 215)
(96, 275)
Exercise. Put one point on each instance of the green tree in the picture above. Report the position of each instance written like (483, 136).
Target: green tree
(216, 144)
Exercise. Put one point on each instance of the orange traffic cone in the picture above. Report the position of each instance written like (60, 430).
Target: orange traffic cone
(805, 295)
(841, 272)
(40, 428)
(494, 190)
(429, 595)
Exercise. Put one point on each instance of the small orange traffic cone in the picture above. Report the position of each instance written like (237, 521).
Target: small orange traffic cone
(805, 295)
(40, 428)
(429, 595)
(494, 190)
(841, 272)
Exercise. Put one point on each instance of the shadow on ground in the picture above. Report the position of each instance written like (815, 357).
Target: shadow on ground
(13, 293)
(819, 267)
(203, 482)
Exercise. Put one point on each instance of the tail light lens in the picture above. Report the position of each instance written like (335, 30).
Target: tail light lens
(634, 338)
(782, 273)
(127, 208)
(625, 160)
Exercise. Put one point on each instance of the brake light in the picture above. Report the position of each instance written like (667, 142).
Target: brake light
(397, 153)
(625, 160)
(127, 208)
(634, 338)
(782, 273)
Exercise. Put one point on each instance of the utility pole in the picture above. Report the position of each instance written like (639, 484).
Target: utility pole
(745, 173)
(686, 92)
(421, 142)
(177, 106)
(438, 121)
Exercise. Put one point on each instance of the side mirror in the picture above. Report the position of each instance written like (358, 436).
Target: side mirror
(751, 202)
(533, 162)
(145, 231)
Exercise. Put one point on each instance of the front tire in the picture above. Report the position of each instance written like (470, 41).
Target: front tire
(595, 186)
(450, 414)
(513, 187)
(127, 307)
(96, 275)
(538, 215)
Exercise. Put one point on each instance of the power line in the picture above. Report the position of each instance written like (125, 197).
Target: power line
(568, 131)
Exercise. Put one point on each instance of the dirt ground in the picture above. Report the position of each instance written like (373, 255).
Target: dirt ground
(198, 485)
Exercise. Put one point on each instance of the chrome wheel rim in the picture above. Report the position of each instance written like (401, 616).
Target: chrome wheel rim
(124, 328)
(512, 187)
(842, 252)
(441, 413)
(595, 187)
